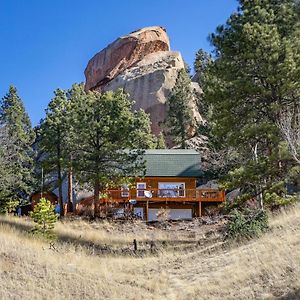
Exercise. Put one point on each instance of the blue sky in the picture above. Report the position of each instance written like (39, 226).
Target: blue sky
(46, 44)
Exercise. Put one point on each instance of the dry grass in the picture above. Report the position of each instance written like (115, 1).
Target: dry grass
(265, 268)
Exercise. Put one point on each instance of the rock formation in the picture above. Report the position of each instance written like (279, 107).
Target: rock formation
(142, 64)
(123, 54)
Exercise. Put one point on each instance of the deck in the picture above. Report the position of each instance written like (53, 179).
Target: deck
(167, 195)
(176, 199)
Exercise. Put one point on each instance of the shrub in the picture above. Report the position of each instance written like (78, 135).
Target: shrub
(277, 196)
(273, 200)
(8, 205)
(45, 218)
(246, 225)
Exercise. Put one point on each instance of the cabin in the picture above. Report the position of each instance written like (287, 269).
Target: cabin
(36, 197)
(172, 182)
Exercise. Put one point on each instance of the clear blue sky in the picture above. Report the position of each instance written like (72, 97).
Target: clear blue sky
(46, 44)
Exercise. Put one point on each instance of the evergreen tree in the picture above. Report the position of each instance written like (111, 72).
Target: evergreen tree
(53, 140)
(179, 112)
(256, 72)
(161, 144)
(17, 138)
(7, 176)
(106, 138)
(44, 217)
(202, 61)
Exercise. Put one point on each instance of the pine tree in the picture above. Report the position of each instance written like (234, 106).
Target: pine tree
(45, 218)
(179, 112)
(255, 74)
(161, 144)
(17, 145)
(53, 140)
(106, 138)
(202, 61)
(7, 176)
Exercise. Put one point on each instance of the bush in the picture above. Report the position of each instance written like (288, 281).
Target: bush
(8, 205)
(45, 218)
(246, 225)
(277, 196)
(275, 201)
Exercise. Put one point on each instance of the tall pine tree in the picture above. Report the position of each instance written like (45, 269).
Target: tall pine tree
(179, 112)
(17, 137)
(53, 141)
(202, 61)
(107, 138)
(7, 175)
(255, 73)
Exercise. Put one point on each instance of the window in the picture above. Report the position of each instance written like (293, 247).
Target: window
(140, 189)
(171, 189)
(124, 191)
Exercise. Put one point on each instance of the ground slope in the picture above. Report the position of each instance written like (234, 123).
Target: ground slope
(265, 268)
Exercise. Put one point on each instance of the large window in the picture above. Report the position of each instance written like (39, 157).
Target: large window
(140, 189)
(171, 189)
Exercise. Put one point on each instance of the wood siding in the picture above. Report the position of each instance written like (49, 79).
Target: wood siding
(35, 198)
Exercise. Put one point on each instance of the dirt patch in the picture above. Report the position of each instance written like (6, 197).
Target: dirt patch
(7, 262)
(152, 237)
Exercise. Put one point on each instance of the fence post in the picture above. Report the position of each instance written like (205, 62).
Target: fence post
(135, 245)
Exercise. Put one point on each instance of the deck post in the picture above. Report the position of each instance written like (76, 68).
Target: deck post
(199, 209)
(147, 211)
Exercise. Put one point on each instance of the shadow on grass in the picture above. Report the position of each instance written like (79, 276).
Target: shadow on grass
(292, 295)
(124, 248)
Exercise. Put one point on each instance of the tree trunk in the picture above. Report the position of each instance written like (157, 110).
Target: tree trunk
(70, 189)
(59, 176)
(259, 197)
(60, 193)
(183, 144)
(96, 197)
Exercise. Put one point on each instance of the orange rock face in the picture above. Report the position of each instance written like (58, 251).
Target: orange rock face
(124, 53)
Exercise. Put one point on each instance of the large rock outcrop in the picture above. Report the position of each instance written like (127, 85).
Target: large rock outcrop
(142, 64)
(124, 53)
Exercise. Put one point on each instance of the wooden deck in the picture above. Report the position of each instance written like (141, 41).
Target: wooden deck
(164, 195)
(194, 199)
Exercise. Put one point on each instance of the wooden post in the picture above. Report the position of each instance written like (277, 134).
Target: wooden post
(199, 209)
(147, 211)
(135, 245)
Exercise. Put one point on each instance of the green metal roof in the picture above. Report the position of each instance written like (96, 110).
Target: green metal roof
(172, 163)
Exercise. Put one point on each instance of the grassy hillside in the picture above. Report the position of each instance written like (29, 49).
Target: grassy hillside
(265, 268)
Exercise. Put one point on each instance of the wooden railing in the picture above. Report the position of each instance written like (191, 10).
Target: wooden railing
(181, 195)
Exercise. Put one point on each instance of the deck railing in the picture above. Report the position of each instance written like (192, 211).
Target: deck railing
(212, 195)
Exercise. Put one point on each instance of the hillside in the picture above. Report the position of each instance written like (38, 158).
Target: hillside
(265, 268)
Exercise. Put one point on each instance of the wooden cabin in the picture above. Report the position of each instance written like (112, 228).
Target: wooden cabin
(36, 197)
(171, 182)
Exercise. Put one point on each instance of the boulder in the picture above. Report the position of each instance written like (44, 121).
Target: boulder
(124, 53)
(149, 83)
(142, 64)
(231, 196)
(212, 184)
